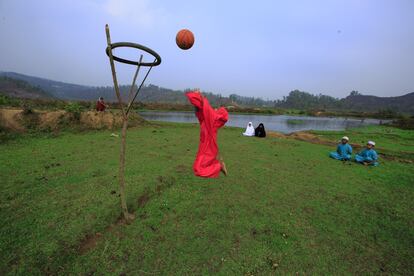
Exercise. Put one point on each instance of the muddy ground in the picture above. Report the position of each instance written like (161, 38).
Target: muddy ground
(19, 121)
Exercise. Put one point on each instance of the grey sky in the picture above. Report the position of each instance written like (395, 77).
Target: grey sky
(253, 48)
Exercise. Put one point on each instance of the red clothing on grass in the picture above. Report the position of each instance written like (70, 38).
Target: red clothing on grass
(100, 106)
(206, 163)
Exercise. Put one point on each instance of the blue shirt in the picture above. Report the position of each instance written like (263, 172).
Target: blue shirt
(344, 149)
(369, 154)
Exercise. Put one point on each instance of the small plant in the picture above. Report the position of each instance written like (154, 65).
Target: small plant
(75, 109)
(27, 108)
(30, 117)
(4, 100)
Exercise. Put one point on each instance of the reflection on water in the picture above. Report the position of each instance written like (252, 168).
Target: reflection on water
(280, 123)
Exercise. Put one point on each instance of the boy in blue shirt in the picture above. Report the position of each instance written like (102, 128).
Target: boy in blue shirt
(368, 156)
(343, 150)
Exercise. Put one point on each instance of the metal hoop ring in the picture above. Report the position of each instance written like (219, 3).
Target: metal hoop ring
(136, 46)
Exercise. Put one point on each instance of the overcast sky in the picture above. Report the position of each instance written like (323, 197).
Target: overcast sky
(252, 48)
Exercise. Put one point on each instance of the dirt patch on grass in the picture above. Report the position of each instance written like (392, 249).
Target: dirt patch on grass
(15, 120)
(51, 119)
(182, 168)
(309, 137)
(404, 158)
(89, 242)
(276, 134)
(143, 199)
(100, 120)
(10, 120)
(302, 136)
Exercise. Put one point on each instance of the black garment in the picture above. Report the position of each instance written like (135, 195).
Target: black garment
(260, 131)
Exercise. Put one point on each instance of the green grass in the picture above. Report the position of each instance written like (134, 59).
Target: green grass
(389, 140)
(285, 207)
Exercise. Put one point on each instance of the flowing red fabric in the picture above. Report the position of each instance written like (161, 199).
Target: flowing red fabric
(206, 163)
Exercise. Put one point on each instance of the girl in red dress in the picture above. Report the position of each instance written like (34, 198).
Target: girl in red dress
(206, 163)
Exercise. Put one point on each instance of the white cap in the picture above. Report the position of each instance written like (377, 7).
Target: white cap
(345, 138)
(371, 143)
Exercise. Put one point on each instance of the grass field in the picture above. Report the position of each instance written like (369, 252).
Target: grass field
(284, 208)
(388, 138)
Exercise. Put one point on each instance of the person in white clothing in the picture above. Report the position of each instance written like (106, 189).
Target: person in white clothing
(249, 130)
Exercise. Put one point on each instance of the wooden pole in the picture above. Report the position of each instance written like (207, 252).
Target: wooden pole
(128, 217)
(111, 61)
(131, 90)
(139, 89)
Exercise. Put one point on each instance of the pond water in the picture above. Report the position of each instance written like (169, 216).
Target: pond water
(280, 123)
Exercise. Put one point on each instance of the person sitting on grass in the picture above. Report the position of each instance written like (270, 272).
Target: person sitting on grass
(249, 130)
(368, 156)
(260, 131)
(100, 105)
(343, 150)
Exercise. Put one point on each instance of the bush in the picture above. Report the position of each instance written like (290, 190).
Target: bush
(4, 100)
(75, 109)
(404, 123)
(387, 114)
(27, 108)
(8, 101)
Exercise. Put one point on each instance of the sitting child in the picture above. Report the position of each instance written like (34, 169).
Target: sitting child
(260, 131)
(100, 105)
(343, 150)
(249, 130)
(368, 156)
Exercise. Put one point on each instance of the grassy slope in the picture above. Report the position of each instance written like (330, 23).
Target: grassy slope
(388, 138)
(284, 206)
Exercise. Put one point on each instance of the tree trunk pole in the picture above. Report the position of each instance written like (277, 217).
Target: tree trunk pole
(128, 217)
(111, 61)
(124, 206)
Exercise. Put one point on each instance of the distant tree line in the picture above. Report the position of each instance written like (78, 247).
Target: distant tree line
(299, 100)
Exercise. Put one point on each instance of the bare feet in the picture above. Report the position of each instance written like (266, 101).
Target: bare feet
(223, 167)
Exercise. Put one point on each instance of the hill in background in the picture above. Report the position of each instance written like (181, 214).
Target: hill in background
(353, 102)
(21, 89)
(356, 101)
(19, 85)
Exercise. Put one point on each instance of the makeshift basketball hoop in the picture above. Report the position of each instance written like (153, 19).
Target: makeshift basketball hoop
(126, 109)
(136, 46)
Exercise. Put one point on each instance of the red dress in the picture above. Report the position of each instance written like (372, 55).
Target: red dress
(206, 163)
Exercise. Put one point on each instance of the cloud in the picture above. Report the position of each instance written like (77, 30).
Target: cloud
(137, 12)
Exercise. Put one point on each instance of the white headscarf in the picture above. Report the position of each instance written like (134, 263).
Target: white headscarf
(249, 130)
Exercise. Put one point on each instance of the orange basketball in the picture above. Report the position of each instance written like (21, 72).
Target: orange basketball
(184, 39)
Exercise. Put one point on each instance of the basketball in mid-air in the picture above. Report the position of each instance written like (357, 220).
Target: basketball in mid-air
(184, 39)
